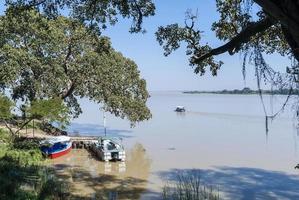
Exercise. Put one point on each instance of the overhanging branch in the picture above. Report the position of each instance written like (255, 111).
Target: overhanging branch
(243, 37)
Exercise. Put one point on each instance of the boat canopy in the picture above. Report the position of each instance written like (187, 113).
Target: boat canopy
(111, 143)
(180, 107)
(57, 139)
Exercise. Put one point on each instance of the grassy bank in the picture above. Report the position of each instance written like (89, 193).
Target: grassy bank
(23, 174)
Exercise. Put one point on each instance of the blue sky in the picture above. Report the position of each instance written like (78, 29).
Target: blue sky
(173, 72)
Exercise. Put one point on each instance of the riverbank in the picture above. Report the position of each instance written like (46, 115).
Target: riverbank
(247, 91)
(24, 173)
(28, 133)
(82, 175)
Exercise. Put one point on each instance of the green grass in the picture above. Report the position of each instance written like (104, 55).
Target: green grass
(23, 174)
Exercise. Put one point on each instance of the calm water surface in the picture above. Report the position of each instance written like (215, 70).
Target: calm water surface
(222, 136)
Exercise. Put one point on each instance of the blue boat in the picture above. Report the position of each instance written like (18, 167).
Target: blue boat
(56, 147)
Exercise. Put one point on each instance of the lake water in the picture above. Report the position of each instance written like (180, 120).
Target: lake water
(221, 136)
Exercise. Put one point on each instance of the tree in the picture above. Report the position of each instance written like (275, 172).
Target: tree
(251, 27)
(50, 110)
(48, 58)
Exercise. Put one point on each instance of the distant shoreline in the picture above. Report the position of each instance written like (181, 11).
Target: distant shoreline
(246, 91)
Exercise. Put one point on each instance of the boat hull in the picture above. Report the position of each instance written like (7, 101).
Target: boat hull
(60, 153)
(57, 149)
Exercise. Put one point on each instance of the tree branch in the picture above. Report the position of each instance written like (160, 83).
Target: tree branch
(10, 129)
(23, 125)
(69, 53)
(36, 3)
(18, 130)
(71, 88)
(243, 37)
(140, 16)
(69, 91)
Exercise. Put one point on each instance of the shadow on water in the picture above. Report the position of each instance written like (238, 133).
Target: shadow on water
(97, 130)
(106, 186)
(91, 179)
(245, 183)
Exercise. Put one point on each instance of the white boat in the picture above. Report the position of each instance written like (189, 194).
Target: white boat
(180, 109)
(108, 149)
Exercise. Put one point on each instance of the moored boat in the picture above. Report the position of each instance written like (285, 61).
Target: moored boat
(180, 109)
(56, 146)
(109, 149)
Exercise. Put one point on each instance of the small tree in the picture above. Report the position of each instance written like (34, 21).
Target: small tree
(50, 110)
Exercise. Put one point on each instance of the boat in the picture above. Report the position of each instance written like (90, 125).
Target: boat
(56, 146)
(108, 149)
(180, 109)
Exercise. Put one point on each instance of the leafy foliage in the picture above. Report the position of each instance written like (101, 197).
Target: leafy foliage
(171, 37)
(238, 19)
(96, 14)
(52, 110)
(47, 110)
(22, 174)
(6, 106)
(47, 58)
(4, 137)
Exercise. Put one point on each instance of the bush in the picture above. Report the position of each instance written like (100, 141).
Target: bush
(22, 173)
(5, 137)
(23, 158)
(26, 144)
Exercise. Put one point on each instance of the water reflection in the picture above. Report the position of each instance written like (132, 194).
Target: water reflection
(93, 179)
(181, 114)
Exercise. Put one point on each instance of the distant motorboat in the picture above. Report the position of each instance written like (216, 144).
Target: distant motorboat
(56, 146)
(109, 149)
(180, 109)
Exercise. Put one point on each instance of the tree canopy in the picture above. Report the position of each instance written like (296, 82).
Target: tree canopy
(96, 14)
(250, 27)
(44, 58)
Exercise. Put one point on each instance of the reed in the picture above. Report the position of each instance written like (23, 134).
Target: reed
(188, 186)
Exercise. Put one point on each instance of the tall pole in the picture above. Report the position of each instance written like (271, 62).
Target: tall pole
(104, 119)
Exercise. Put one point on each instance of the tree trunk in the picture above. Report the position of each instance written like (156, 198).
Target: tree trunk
(287, 13)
